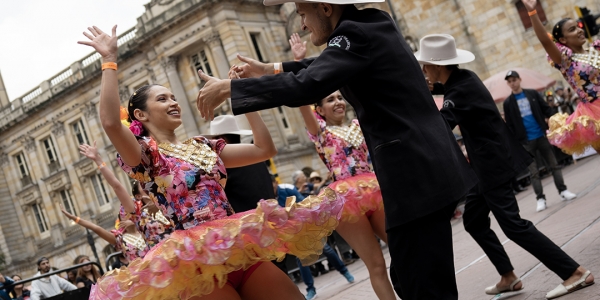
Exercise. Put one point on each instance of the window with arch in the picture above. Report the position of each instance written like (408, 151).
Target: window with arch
(67, 202)
(51, 155)
(40, 218)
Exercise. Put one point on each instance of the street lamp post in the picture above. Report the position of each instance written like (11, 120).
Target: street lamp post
(90, 240)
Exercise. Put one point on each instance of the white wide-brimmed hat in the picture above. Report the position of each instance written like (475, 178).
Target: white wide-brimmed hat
(226, 124)
(275, 2)
(440, 49)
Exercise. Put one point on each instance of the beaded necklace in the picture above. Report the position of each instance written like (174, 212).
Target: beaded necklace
(136, 240)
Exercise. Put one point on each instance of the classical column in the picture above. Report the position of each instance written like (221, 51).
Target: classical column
(213, 41)
(187, 111)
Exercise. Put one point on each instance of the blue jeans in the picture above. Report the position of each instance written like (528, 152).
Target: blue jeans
(332, 257)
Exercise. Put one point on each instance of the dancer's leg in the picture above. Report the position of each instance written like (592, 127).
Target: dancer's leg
(505, 208)
(377, 220)
(226, 292)
(423, 257)
(268, 282)
(362, 239)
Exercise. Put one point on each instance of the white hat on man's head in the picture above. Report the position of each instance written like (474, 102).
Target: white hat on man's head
(440, 49)
(275, 2)
(226, 124)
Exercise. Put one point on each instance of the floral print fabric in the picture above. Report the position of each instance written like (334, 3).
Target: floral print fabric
(583, 77)
(183, 192)
(339, 156)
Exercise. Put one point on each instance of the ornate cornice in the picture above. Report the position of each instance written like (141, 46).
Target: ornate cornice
(28, 142)
(58, 128)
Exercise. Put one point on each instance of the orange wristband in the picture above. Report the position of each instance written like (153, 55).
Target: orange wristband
(77, 220)
(102, 165)
(109, 65)
(531, 13)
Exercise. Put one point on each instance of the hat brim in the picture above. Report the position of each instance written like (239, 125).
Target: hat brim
(238, 132)
(462, 57)
(341, 2)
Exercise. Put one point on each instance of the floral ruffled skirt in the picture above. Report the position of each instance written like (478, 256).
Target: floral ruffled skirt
(574, 133)
(193, 262)
(360, 194)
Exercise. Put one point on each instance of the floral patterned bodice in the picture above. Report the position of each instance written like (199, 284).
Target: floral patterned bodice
(132, 245)
(582, 71)
(339, 155)
(183, 191)
(155, 227)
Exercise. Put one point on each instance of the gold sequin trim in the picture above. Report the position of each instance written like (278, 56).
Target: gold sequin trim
(351, 134)
(197, 154)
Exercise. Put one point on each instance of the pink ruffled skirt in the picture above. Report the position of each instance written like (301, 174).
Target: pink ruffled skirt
(361, 195)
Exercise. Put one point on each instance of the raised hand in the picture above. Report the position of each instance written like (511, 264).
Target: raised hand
(214, 92)
(66, 213)
(104, 44)
(251, 68)
(298, 47)
(90, 152)
(530, 4)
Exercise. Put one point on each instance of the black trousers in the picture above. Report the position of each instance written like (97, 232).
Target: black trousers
(502, 203)
(423, 259)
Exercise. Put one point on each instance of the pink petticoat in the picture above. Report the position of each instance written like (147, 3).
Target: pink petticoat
(574, 133)
(192, 262)
(361, 195)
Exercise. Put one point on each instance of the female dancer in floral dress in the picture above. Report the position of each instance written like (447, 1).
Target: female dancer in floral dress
(581, 68)
(214, 254)
(344, 151)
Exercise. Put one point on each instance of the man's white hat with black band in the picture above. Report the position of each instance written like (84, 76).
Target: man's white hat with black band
(340, 2)
(440, 49)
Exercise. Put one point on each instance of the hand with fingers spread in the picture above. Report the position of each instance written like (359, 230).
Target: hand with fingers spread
(104, 44)
(214, 92)
(90, 152)
(529, 4)
(253, 68)
(298, 47)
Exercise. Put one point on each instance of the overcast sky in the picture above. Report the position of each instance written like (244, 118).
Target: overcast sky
(38, 38)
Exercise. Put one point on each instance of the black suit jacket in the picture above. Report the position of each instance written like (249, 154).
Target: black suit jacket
(539, 108)
(247, 185)
(495, 155)
(418, 163)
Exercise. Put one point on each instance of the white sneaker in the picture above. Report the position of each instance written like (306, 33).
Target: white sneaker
(541, 204)
(567, 195)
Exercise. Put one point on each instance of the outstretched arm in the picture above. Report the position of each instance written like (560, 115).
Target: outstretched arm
(541, 33)
(91, 152)
(101, 232)
(238, 155)
(298, 48)
(120, 136)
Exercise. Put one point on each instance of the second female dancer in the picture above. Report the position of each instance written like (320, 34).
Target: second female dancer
(344, 151)
(581, 68)
(214, 253)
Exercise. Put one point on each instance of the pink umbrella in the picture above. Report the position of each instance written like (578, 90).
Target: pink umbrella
(529, 80)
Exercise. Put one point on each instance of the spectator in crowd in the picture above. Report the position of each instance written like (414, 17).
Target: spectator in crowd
(315, 181)
(564, 103)
(48, 286)
(526, 112)
(299, 180)
(551, 101)
(86, 275)
(20, 292)
(72, 276)
(4, 292)
(283, 191)
(120, 262)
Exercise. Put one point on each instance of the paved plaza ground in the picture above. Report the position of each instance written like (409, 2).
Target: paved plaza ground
(573, 225)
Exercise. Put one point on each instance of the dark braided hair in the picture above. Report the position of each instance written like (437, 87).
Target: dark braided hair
(557, 30)
(138, 101)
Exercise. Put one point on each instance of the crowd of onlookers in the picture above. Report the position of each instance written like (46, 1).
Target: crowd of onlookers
(52, 285)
